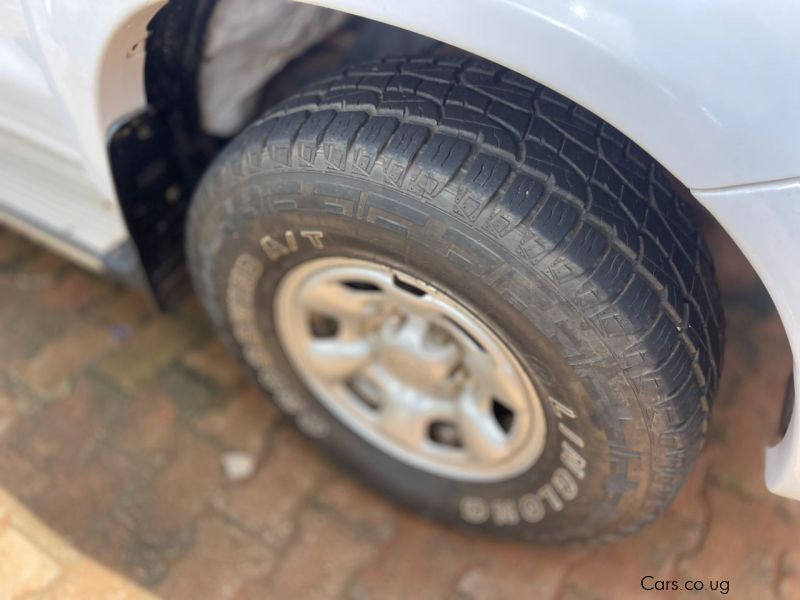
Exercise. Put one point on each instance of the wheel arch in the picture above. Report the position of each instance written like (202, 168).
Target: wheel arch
(697, 97)
(600, 58)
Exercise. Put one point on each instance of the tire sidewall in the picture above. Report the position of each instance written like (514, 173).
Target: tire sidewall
(576, 489)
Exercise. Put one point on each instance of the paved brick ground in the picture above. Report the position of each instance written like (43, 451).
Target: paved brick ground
(116, 424)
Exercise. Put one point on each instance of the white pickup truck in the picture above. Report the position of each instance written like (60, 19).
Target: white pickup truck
(448, 238)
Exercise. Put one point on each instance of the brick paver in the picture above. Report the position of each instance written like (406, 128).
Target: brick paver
(133, 435)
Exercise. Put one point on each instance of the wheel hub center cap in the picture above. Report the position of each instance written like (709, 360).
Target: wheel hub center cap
(411, 351)
(407, 367)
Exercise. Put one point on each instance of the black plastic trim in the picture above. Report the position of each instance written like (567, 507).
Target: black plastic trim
(158, 155)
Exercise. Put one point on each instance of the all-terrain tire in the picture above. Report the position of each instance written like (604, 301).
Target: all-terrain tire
(561, 232)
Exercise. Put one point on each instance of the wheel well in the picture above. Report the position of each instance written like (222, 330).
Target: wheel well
(158, 156)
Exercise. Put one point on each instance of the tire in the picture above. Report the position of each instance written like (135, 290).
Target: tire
(549, 226)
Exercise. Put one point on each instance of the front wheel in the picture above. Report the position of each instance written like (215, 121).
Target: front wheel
(476, 296)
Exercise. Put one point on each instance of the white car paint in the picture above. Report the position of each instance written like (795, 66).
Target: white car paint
(764, 221)
(699, 84)
(68, 70)
(710, 88)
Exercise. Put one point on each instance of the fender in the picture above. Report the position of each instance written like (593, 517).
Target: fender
(709, 89)
(764, 220)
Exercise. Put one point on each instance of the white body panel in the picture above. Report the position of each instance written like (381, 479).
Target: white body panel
(764, 220)
(710, 88)
(64, 83)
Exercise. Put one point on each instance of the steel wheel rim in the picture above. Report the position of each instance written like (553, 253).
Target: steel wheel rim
(409, 369)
